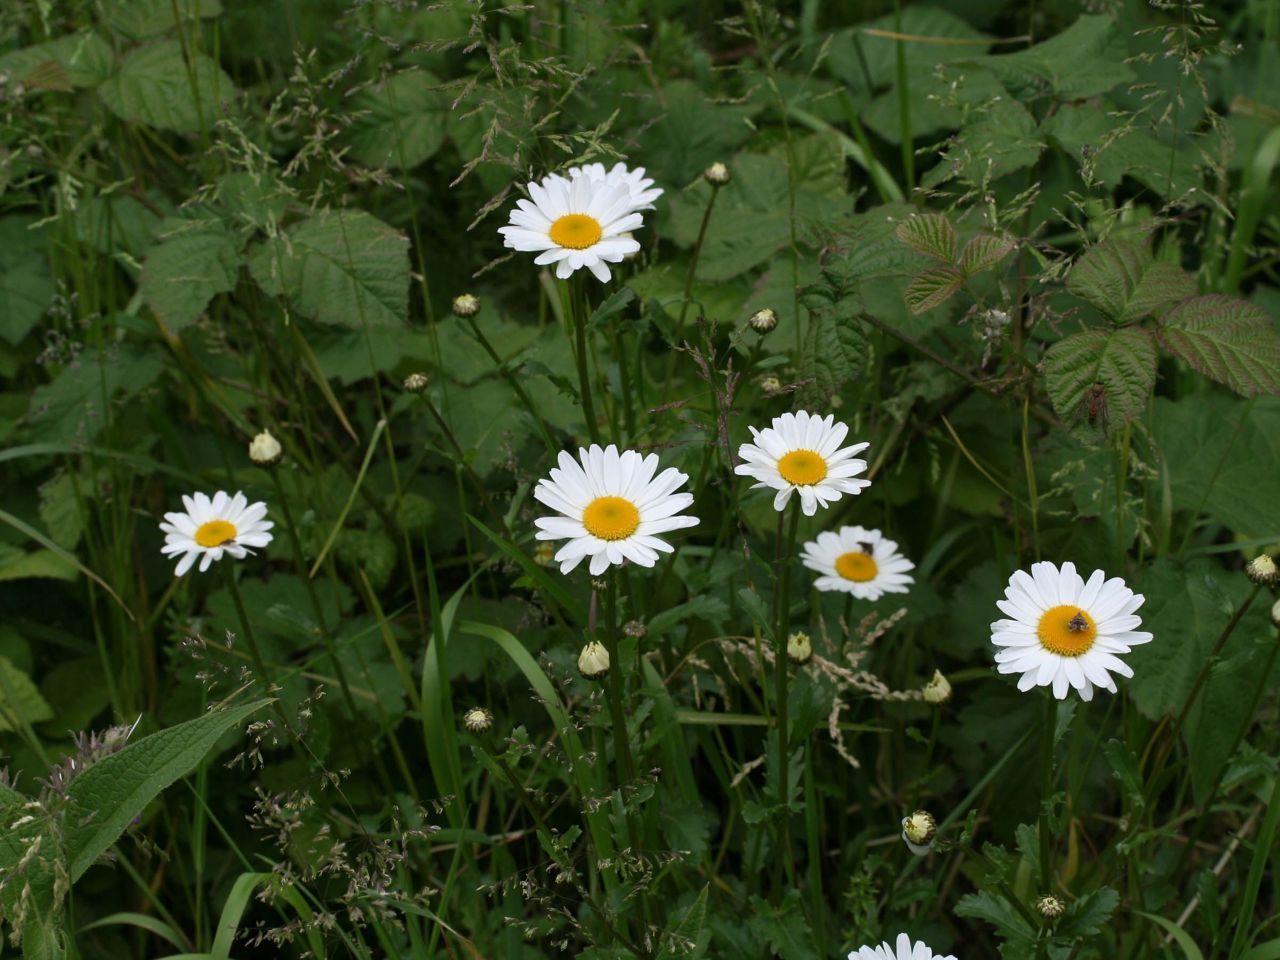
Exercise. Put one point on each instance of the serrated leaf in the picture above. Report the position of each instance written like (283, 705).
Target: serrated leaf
(614, 304)
(20, 699)
(999, 138)
(85, 57)
(341, 267)
(1123, 280)
(116, 789)
(26, 287)
(932, 288)
(156, 86)
(707, 607)
(1008, 922)
(192, 261)
(144, 18)
(1122, 361)
(1226, 338)
(1085, 917)
(70, 409)
(783, 927)
(1125, 766)
(398, 123)
(930, 234)
(686, 940)
(835, 351)
(1082, 61)
(983, 252)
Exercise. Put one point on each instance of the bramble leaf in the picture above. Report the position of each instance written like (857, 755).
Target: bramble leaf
(932, 288)
(1122, 361)
(399, 123)
(192, 261)
(983, 252)
(1124, 281)
(930, 234)
(1226, 338)
(157, 86)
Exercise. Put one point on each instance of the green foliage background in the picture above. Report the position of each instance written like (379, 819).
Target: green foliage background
(1027, 250)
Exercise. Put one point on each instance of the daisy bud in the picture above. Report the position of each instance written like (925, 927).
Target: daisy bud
(544, 554)
(1262, 569)
(1050, 907)
(717, 175)
(593, 662)
(1275, 613)
(477, 719)
(937, 690)
(634, 629)
(799, 647)
(918, 831)
(416, 382)
(770, 386)
(265, 450)
(763, 321)
(466, 305)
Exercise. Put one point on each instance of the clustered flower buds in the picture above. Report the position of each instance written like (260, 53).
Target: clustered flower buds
(717, 175)
(799, 647)
(593, 662)
(918, 831)
(265, 450)
(477, 719)
(762, 321)
(416, 382)
(937, 690)
(466, 305)
(1262, 570)
(1050, 907)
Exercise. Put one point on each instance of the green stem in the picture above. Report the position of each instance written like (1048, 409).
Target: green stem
(613, 685)
(1046, 790)
(579, 324)
(782, 618)
(688, 290)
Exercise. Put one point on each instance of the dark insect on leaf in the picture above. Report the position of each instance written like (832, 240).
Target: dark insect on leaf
(1093, 407)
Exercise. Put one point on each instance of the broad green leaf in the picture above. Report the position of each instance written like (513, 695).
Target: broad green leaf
(688, 930)
(1123, 280)
(1122, 362)
(1000, 137)
(998, 912)
(17, 565)
(1226, 338)
(144, 18)
(1086, 916)
(75, 406)
(932, 288)
(341, 267)
(930, 234)
(85, 57)
(26, 288)
(983, 252)
(157, 86)
(1125, 766)
(1176, 933)
(398, 123)
(783, 927)
(20, 699)
(1082, 61)
(191, 261)
(835, 352)
(118, 787)
(688, 133)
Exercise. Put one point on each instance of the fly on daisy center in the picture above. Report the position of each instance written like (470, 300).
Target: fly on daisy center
(611, 518)
(802, 468)
(576, 231)
(215, 533)
(1067, 630)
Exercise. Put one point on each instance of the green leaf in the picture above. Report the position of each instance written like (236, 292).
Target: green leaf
(783, 926)
(689, 133)
(1226, 338)
(1123, 280)
(1125, 766)
(1122, 361)
(26, 288)
(157, 86)
(116, 789)
(1082, 61)
(1000, 138)
(613, 305)
(1179, 935)
(20, 699)
(85, 57)
(1085, 917)
(998, 912)
(932, 288)
(835, 351)
(192, 261)
(686, 940)
(930, 234)
(74, 407)
(984, 252)
(398, 123)
(17, 565)
(341, 267)
(140, 19)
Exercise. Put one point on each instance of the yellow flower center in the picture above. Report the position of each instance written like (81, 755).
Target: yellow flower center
(856, 566)
(803, 468)
(215, 533)
(577, 231)
(1067, 630)
(611, 518)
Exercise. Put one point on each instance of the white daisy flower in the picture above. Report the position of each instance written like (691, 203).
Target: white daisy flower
(210, 528)
(639, 187)
(903, 950)
(858, 561)
(574, 223)
(801, 453)
(1065, 631)
(613, 507)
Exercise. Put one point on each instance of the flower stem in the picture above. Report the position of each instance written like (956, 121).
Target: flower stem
(579, 323)
(1046, 790)
(688, 289)
(782, 619)
(625, 766)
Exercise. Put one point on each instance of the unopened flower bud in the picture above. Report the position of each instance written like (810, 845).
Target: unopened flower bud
(416, 382)
(477, 719)
(918, 831)
(799, 647)
(1050, 907)
(265, 450)
(717, 175)
(593, 662)
(544, 554)
(1262, 569)
(937, 690)
(634, 629)
(763, 321)
(1275, 613)
(466, 305)
(770, 386)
